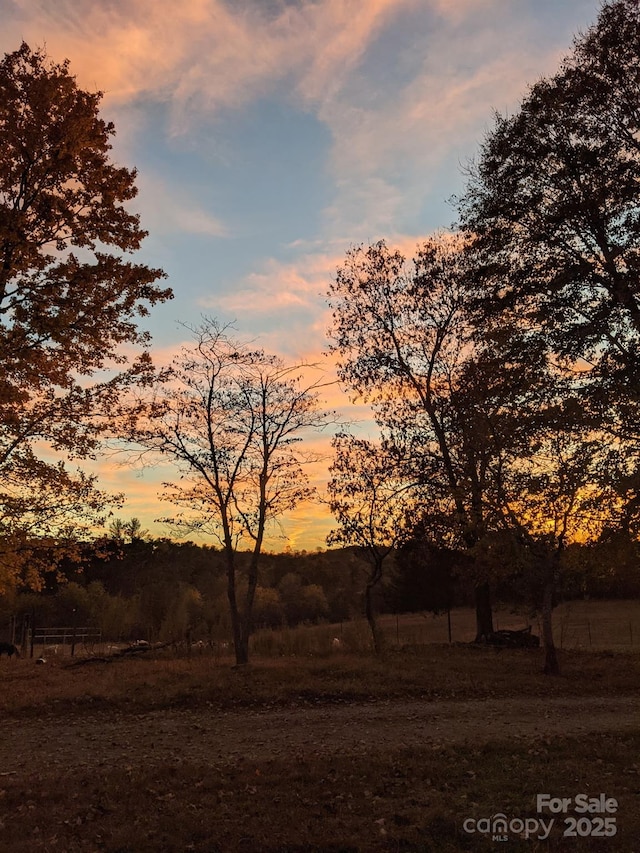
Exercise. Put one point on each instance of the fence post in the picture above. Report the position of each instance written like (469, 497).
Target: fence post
(24, 638)
(73, 634)
(33, 631)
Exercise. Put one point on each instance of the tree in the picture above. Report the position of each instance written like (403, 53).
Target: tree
(552, 210)
(290, 590)
(552, 214)
(268, 611)
(302, 603)
(372, 507)
(548, 500)
(404, 343)
(44, 512)
(232, 419)
(68, 299)
(131, 531)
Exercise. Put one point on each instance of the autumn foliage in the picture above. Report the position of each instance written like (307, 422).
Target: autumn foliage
(69, 300)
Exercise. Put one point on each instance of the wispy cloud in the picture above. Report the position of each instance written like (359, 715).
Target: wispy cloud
(167, 208)
(388, 154)
(205, 51)
(280, 285)
(208, 55)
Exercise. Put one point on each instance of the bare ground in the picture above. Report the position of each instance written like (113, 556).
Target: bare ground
(55, 744)
(339, 755)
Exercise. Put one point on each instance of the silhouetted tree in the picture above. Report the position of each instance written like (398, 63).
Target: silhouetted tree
(232, 419)
(404, 343)
(547, 500)
(68, 301)
(551, 210)
(130, 531)
(371, 505)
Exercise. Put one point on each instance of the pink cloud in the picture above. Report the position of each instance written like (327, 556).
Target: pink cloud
(277, 286)
(208, 54)
(205, 51)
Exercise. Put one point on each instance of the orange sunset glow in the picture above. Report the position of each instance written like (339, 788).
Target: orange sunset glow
(270, 137)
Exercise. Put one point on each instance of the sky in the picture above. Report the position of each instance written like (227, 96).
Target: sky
(272, 135)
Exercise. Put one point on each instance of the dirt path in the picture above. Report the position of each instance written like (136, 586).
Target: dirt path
(57, 745)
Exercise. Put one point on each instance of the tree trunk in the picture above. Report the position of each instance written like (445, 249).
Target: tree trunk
(484, 612)
(551, 665)
(241, 652)
(242, 649)
(246, 621)
(371, 618)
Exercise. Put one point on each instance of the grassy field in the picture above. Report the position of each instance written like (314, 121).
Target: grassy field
(434, 673)
(578, 625)
(382, 798)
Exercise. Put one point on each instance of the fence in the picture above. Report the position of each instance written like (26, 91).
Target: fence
(578, 625)
(60, 641)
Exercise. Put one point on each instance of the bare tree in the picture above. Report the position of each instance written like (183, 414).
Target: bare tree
(232, 418)
(371, 505)
(548, 499)
(404, 344)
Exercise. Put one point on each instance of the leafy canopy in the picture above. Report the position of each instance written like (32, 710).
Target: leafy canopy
(69, 300)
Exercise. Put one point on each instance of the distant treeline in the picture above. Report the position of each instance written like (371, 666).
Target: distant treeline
(159, 589)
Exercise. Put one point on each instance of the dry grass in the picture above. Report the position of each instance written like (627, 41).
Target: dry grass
(578, 625)
(431, 672)
(383, 798)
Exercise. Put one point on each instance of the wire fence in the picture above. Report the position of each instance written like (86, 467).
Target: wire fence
(586, 625)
